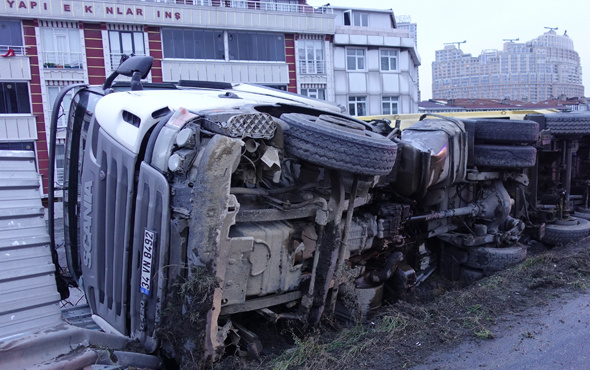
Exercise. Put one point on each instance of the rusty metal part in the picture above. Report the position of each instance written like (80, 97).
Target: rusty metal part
(369, 299)
(274, 317)
(371, 278)
(471, 210)
(258, 303)
(494, 205)
(249, 340)
(405, 281)
(327, 247)
(343, 245)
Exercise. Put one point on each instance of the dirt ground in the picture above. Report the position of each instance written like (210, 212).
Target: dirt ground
(445, 318)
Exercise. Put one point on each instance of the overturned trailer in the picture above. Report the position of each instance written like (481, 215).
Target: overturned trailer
(190, 207)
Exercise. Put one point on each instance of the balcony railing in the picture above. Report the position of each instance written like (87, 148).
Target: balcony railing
(11, 50)
(316, 67)
(253, 5)
(116, 58)
(62, 59)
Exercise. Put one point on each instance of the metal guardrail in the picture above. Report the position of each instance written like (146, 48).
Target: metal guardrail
(312, 67)
(62, 59)
(17, 51)
(253, 5)
(115, 58)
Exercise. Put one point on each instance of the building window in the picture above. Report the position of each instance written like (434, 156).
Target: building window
(358, 19)
(277, 87)
(311, 57)
(11, 37)
(18, 145)
(355, 59)
(193, 44)
(256, 46)
(389, 60)
(357, 105)
(389, 105)
(125, 43)
(53, 92)
(238, 4)
(61, 48)
(280, 5)
(315, 93)
(14, 98)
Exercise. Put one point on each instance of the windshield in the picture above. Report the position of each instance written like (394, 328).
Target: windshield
(79, 117)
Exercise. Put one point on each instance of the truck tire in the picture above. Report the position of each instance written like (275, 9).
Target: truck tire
(492, 259)
(339, 143)
(582, 212)
(504, 156)
(562, 233)
(504, 131)
(568, 124)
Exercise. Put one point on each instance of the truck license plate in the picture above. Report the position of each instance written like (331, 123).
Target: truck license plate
(149, 241)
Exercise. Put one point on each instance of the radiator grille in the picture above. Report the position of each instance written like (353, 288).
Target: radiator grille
(108, 181)
(151, 213)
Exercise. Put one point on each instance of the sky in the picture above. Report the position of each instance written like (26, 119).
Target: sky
(484, 25)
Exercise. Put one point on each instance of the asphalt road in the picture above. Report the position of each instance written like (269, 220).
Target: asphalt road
(556, 336)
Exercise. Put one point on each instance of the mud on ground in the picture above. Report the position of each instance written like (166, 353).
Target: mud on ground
(444, 315)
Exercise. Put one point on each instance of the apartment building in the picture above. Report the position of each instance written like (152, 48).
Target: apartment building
(357, 58)
(544, 68)
(375, 63)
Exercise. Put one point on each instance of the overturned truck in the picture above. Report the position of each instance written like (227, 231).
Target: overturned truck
(191, 207)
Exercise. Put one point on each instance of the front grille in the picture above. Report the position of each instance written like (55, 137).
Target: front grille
(108, 182)
(152, 213)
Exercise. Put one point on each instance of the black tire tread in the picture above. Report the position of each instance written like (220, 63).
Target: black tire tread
(563, 234)
(568, 124)
(366, 154)
(491, 259)
(504, 156)
(504, 131)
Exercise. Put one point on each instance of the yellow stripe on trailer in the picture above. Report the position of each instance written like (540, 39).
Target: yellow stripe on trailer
(407, 120)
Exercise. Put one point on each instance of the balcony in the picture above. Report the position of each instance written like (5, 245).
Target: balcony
(115, 59)
(254, 5)
(18, 127)
(12, 51)
(62, 59)
(317, 67)
(14, 63)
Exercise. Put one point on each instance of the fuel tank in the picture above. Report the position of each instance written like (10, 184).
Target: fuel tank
(434, 153)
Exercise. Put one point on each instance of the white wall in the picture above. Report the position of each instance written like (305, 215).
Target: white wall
(252, 72)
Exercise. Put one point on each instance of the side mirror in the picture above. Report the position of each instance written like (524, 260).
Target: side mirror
(136, 67)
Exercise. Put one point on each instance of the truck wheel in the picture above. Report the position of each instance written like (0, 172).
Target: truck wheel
(504, 156)
(340, 143)
(492, 259)
(565, 231)
(568, 124)
(505, 131)
(582, 212)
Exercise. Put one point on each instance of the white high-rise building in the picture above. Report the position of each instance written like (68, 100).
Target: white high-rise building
(537, 70)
